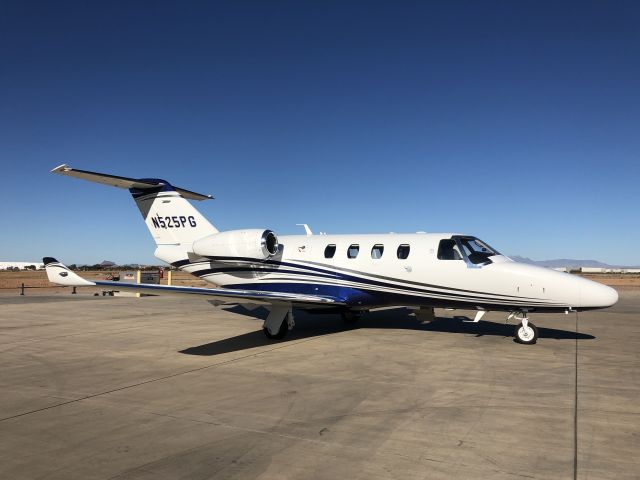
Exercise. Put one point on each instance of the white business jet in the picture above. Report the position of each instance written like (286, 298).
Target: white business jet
(347, 274)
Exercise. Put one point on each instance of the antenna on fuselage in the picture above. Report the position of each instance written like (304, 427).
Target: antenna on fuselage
(306, 228)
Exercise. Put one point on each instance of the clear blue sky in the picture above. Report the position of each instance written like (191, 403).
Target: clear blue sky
(514, 121)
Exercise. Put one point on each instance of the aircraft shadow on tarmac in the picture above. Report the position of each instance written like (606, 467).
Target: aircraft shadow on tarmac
(309, 326)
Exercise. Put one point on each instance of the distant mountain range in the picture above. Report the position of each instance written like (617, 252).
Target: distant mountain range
(565, 262)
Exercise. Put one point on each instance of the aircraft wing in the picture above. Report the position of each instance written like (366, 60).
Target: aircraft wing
(61, 275)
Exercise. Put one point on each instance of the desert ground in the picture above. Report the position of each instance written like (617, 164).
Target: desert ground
(37, 283)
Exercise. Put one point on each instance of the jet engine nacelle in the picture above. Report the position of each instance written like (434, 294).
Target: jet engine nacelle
(254, 243)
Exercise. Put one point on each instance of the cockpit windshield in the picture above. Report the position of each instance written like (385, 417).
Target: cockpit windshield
(475, 250)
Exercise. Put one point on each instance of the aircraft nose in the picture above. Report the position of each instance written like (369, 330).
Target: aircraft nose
(595, 294)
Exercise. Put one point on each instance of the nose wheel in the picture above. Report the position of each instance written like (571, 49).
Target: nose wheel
(526, 332)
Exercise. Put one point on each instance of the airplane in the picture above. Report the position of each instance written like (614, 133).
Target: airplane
(345, 274)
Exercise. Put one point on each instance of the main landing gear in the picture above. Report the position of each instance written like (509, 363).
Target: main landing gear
(279, 322)
(280, 334)
(351, 316)
(526, 332)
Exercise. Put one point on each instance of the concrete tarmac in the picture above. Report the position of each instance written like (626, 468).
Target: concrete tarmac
(173, 388)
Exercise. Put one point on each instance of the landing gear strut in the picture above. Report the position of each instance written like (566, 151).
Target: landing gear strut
(526, 332)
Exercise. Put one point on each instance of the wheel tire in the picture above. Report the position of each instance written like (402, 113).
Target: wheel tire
(350, 317)
(284, 328)
(526, 337)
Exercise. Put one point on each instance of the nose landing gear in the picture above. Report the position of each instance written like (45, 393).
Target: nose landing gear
(526, 332)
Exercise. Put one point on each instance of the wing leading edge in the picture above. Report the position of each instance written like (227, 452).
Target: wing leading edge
(61, 275)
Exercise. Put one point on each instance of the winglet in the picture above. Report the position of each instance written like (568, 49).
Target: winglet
(61, 275)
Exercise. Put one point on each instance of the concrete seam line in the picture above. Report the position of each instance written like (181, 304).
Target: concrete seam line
(226, 362)
(575, 409)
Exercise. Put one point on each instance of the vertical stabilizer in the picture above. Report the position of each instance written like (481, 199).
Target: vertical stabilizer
(170, 217)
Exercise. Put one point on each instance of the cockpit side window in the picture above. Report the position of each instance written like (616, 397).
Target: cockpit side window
(448, 250)
(476, 250)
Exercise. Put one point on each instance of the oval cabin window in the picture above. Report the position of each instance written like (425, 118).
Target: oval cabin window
(330, 251)
(377, 251)
(403, 251)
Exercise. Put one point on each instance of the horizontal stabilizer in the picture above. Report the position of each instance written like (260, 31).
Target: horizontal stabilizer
(125, 182)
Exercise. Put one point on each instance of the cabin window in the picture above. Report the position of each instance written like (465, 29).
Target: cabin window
(353, 250)
(377, 251)
(448, 250)
(330, 251)
(403, 251)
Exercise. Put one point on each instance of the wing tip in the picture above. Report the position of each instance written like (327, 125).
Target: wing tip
(61, 168)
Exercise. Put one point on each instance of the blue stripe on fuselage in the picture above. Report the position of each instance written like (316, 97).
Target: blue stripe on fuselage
(473, 299)
(352, 296)
(419, 287)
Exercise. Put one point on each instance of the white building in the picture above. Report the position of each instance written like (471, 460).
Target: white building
(592, 270)
(20, 265)
(609, 270)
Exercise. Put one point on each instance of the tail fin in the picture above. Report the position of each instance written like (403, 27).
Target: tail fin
(169, 216)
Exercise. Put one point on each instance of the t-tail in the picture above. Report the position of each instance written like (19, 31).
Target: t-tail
(172, 221)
